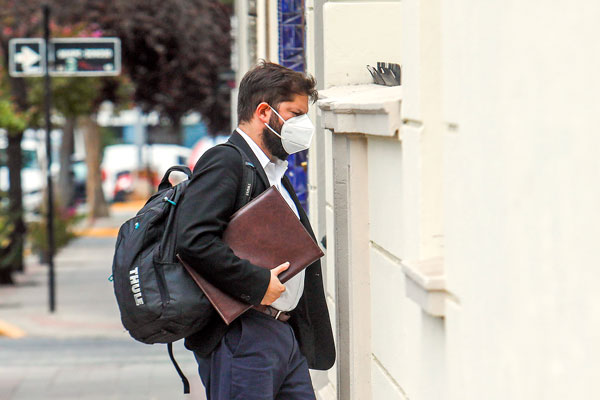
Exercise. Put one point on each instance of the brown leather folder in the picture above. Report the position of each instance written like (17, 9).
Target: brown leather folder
(267, 233)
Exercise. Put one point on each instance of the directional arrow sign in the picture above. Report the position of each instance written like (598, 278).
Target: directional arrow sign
(26, 57)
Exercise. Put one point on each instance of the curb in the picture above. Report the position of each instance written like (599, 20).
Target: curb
(10, 331)
(98, 232)
(133, 205)
(110, 231)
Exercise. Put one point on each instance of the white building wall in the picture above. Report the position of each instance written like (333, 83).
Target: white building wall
(521, 215)
(356, 34)
(478, 259)
(497, 163)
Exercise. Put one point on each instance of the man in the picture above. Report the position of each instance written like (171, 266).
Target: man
(265, 353)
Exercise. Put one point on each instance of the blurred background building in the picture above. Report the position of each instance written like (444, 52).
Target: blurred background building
(458, 209)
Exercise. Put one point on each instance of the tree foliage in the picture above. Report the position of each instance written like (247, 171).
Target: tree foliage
(173, 50)
(10, 119)
(8, 252)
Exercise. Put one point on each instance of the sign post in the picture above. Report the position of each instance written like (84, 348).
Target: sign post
(60, 57)
(50, 223)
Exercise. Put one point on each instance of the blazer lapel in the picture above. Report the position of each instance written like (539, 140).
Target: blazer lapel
(303, 217)
(240, 142)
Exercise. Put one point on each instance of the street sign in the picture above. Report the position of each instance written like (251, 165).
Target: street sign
(67, 57)
(27, 57)
(85, 56)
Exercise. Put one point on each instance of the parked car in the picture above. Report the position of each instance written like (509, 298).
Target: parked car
(121, 161)
(202, 146)
(32, 178)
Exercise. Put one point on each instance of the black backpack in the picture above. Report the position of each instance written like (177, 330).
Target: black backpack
(158, 300)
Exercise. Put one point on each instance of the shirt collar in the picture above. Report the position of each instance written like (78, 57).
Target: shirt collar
(262, 157)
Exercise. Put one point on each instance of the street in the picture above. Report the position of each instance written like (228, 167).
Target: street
(82, 351)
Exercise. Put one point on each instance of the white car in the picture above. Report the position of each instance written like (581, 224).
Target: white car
(202, 146)
(33, 180)
(120, 160)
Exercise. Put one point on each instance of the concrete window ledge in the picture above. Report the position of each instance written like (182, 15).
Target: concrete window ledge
(365, 109)
(426, 285)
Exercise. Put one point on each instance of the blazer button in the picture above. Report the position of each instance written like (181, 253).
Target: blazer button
(245, 297)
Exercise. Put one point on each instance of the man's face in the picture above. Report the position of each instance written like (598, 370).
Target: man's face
(287, 109)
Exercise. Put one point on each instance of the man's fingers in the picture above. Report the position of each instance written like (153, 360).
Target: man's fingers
(280, 268)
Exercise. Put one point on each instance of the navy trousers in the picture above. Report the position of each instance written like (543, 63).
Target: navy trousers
(258, 359)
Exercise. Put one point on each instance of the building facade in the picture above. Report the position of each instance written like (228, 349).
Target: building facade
(459, 208)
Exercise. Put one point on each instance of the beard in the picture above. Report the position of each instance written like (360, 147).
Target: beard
(271, 141)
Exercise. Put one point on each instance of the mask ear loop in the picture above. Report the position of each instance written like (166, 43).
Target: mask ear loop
(268, 126)
(272, 130)
(276, 113)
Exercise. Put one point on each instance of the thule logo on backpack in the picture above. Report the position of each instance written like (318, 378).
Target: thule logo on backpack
(134, 280)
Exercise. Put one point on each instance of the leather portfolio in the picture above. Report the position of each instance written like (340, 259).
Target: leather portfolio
(267, 233)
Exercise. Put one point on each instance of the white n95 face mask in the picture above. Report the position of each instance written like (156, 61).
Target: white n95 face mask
(296, 133)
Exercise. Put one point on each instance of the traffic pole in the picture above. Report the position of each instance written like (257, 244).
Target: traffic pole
(50, 215)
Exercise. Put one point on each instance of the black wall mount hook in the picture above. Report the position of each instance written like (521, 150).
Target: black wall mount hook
(388, 74)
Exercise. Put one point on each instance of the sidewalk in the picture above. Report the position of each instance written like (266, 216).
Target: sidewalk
(82, 351)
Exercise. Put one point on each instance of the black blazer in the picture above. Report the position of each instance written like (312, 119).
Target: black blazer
(202, 216)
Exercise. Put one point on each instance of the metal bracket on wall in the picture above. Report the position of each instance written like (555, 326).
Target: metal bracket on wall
(388, 74)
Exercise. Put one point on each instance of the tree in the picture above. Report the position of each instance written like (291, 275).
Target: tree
(15, 21)
(173, 50)
(77, 100)
(12, 226)
(22, 18)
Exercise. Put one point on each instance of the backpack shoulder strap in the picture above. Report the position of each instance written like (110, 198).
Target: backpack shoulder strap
(248, 177)
(244, 195)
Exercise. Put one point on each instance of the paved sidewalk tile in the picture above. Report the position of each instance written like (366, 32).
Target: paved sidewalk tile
(82, 351)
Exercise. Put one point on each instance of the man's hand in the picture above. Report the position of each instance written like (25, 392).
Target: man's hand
(275, 288)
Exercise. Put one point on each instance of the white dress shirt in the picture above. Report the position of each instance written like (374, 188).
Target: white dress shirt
(275, 171)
